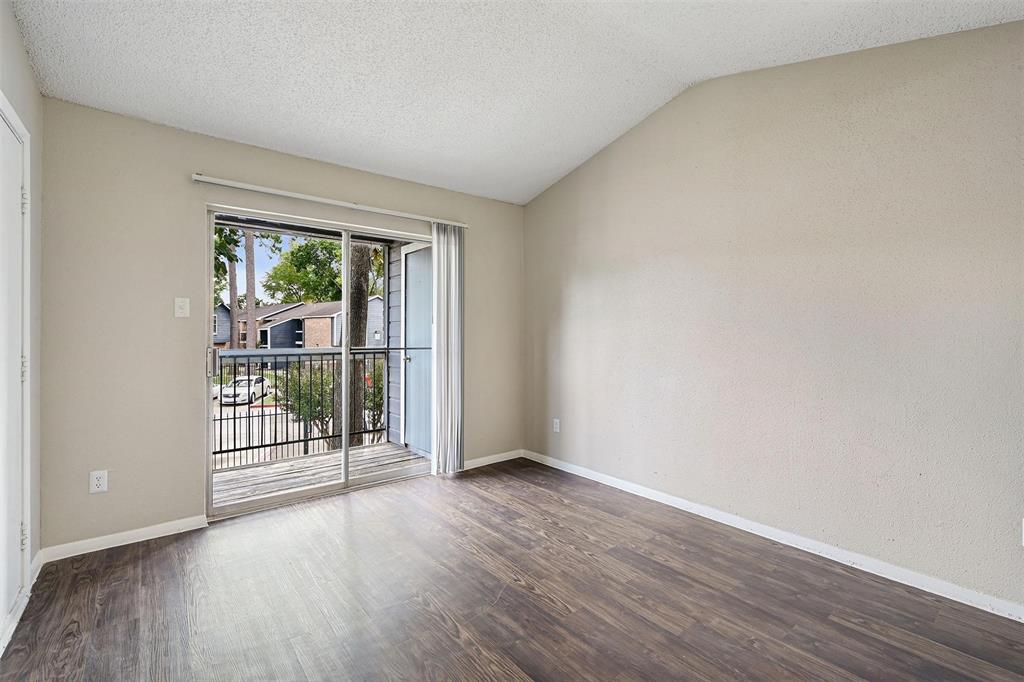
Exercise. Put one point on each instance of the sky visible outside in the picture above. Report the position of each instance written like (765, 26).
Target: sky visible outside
(265, 260)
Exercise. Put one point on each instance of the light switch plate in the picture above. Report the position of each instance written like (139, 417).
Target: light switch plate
(556, 425)
(182, 307)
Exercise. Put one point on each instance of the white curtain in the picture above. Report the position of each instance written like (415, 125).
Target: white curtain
(447, 375)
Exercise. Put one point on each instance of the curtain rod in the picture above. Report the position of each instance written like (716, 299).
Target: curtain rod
(199, 177)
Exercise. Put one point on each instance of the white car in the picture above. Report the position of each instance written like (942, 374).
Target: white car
(244, 390)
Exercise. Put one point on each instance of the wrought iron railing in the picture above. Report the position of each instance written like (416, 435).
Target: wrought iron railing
(369, 389)
(273, 405)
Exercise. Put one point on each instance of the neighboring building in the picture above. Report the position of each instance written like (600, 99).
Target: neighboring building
(221, 326)
(306, 325)
(299, 325)
(222, 321)
(265, 315)
(375, 321)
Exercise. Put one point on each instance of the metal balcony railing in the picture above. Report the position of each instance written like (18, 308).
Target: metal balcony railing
(271, 405)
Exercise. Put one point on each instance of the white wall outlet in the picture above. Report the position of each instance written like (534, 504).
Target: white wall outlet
(98, 481)
(182, 307)
(556, 425)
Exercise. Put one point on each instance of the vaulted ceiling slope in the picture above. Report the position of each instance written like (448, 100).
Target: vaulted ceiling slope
(497, 99)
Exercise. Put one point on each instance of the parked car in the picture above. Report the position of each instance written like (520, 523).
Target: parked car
(244, 390)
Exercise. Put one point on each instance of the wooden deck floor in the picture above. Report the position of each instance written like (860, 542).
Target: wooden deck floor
(366, 463)
(511, 571)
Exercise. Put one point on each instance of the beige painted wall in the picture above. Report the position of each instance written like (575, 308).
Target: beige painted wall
(797, 295)
(19, 87)
(124, 380)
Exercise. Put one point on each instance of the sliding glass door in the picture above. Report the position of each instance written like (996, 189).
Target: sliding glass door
(319, 362)
(386, 305)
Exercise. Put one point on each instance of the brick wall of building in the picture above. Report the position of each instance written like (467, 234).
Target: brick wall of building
(317, 332)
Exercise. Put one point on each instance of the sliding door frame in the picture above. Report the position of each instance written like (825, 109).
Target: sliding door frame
(346, 350)
(324, 229)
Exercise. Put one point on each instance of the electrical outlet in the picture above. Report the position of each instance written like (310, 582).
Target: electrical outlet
(556, 425)
(98, 481)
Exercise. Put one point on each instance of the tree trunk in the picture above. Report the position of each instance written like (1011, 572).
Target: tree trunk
(251, 333)
(358, 294)
(233, 301)
(357, 291)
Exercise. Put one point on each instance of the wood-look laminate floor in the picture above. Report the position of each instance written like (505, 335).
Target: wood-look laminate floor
(507, 572)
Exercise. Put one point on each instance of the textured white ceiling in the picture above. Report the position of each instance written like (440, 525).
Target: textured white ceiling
(494, 99)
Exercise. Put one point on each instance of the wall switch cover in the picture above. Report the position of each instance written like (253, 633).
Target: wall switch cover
(181, 307)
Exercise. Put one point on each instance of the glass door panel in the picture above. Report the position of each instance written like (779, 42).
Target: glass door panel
(417, 323)
(277, 370)
(378, 449)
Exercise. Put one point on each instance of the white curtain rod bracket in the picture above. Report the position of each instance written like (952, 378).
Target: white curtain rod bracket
(199, 177)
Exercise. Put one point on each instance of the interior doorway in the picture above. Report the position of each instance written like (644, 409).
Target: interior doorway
(14, 466)
(309, 389)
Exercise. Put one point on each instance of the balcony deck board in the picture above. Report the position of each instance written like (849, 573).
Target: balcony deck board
(382, 459)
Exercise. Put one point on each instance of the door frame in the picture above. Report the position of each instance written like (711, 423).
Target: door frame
(13, 121)
(406, 250)
(343, 232)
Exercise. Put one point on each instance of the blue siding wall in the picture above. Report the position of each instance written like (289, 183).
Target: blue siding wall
(375, 321)
(223, 316)
(394, 332)
(285, 334)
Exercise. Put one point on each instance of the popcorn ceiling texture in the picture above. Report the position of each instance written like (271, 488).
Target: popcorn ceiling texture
(494, 99)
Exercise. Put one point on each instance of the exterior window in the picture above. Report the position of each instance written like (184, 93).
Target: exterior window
(215, 324)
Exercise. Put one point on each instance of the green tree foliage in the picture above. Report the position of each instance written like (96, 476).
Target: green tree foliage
(375, 397)
(308, 394)
(308, 271)
(376, 282)
(225, 251)
(242, 298)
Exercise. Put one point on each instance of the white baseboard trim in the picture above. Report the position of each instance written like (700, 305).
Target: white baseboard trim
(996, 605)
(35, 567)
(70, 549)
(492, 459)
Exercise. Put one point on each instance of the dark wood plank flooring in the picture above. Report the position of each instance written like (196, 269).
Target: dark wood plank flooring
(512, 571)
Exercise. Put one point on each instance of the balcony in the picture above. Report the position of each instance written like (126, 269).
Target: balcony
(278, 421)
